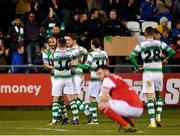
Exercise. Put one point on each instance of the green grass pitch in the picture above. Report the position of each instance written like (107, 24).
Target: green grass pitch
(33, 121)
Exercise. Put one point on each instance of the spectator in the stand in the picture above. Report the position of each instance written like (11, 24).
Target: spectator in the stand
(73, 26)
(38, 60)
(164, 8)
(18, 59)
(51, 21)
(94, 27)
(157, 35)
(32, 8)
(31, 37)
(3, 56)
(166, 37)
(16, 30)
(15, 33)
(83, 17)
(114, 26)
(176, 47)
(70, 6)
(110, 5)
(163, 25)
(82, 23)
(56, 32)
(147, 9)
(43, 8)
(6, 41)
(42, 37)
(127, 9)
(176, 30)
(175, 12)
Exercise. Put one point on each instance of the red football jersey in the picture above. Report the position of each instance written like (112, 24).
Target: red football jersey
(122, 91)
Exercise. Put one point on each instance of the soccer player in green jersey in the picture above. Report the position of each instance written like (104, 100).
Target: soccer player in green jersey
(79, 54)
(62, 80)
(95, 58)
(151, 53)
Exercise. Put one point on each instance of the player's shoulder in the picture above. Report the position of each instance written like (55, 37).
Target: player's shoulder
(91, 52)
(46, 52)
(151, 42)
(115, 76)
(108, 82)
(68, 51)
(104, 52)
(81, 48)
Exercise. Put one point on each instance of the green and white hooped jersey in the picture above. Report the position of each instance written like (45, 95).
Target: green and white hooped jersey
(62, 63)
(151, 52)
(78, 53)
(48, 58)
(94, 59)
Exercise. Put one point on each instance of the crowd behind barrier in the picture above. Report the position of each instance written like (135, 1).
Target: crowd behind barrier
(26, 25)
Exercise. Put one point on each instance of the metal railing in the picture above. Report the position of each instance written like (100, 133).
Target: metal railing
(114, 68)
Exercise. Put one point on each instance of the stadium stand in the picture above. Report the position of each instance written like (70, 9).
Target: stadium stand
(89, 19)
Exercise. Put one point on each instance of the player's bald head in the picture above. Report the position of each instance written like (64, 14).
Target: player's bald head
(52, 42)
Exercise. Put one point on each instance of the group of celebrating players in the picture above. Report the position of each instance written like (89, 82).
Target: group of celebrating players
(67, 60)
(115, 98)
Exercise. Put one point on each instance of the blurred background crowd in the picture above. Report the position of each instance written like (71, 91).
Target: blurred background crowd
(26, 24)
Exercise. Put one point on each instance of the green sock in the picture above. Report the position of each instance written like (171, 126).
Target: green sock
(63, 108)
(159, 104)
(55, 112)
(59, 112)
(151, 110)
(82, 106)
(74, 109)
(93, 109)
(85, 105)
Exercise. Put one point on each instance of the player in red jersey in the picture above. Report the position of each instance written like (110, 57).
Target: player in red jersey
(118, 100)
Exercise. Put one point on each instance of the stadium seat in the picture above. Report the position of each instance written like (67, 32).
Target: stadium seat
(146, 24)
(134, 27)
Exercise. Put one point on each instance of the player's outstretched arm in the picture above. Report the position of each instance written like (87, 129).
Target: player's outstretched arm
(83, 66)
(133, 60)
(171, 53)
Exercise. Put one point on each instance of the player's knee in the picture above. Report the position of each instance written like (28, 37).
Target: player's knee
(55, 98)
(92, 99)
(101, 106)
(70, 97)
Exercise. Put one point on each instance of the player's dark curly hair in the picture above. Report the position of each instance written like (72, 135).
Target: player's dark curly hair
(73, 36)
(96, 42)
(149, 31)
(104, 67)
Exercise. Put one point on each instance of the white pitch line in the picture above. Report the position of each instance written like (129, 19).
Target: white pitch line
(52, 129)
(45, 129)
